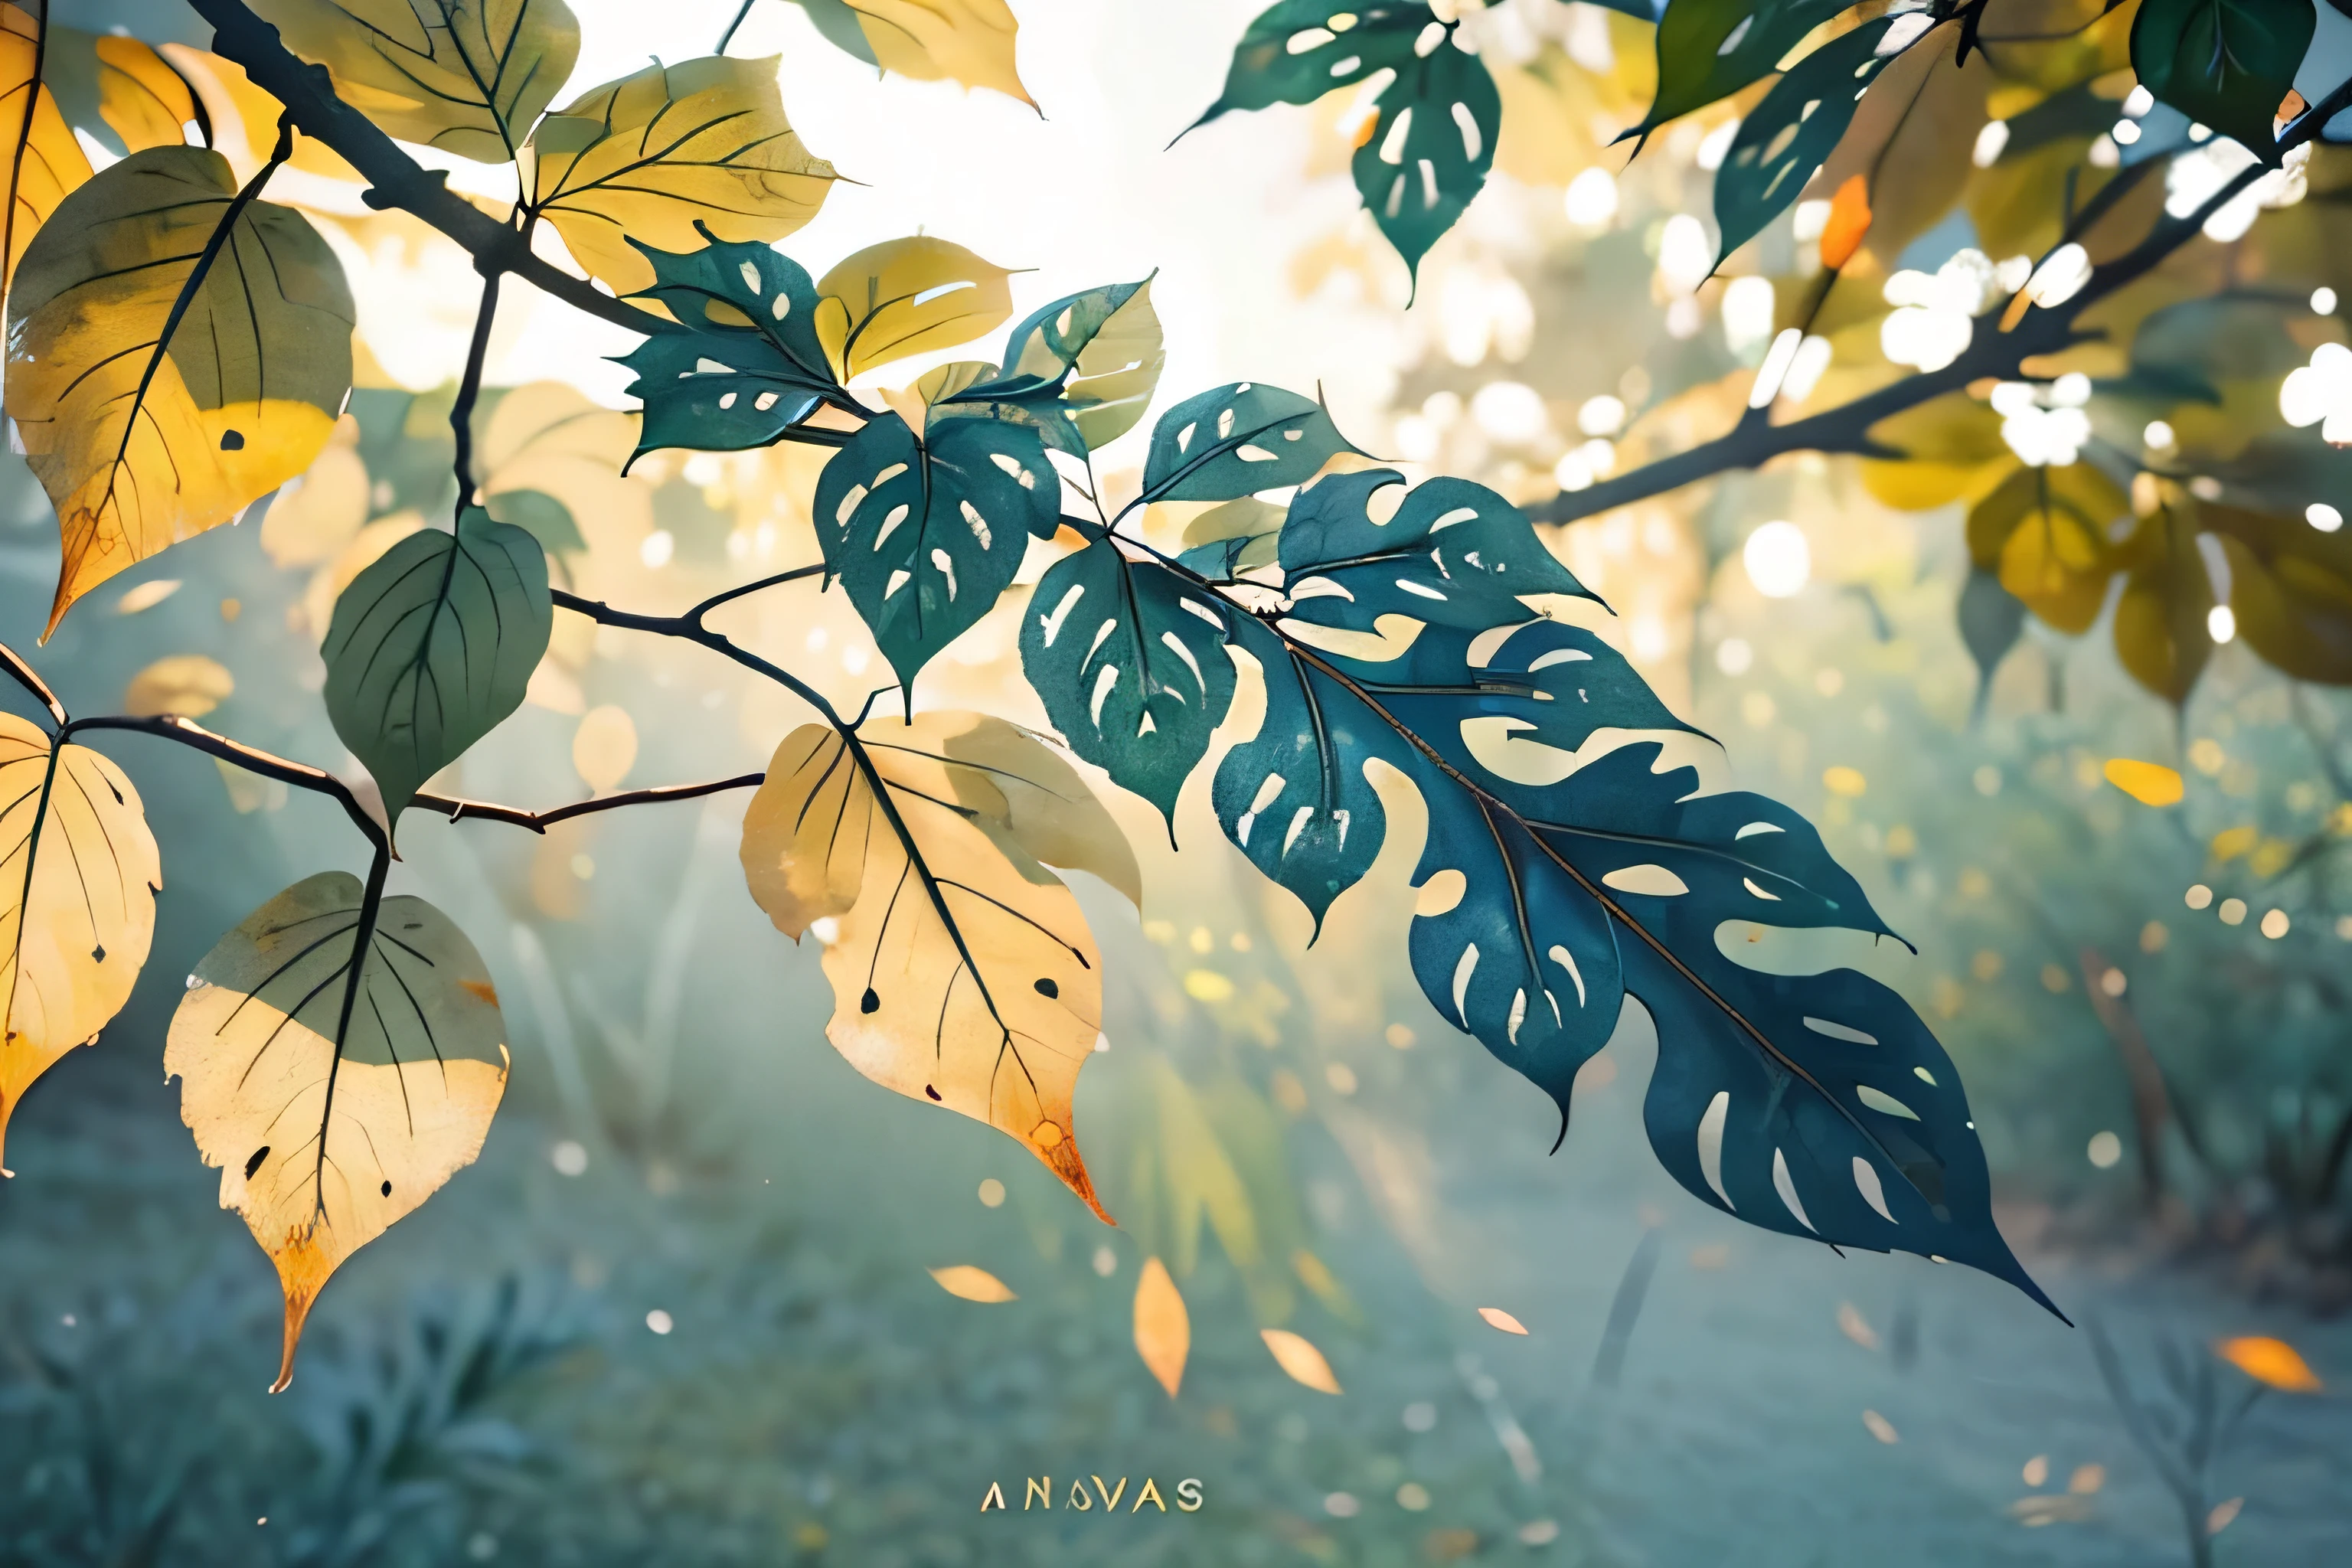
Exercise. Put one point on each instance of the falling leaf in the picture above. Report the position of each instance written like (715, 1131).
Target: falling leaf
(907, 297)
(2223, 1514)
(141, 98)
(1881, 1427)
(656, 154)
(1855, 1327)
(1163, 1332)
(44, 161)
(2037, 1470)
(468, 77)
(1849, 220)
(2272, 1362)
(75, 922)
(2150, 783)
(970, 41)
(605, 747)
(2033, 1512)
(972, 1284)
(2087, 1479)
(335, 1097)
(146, 596)
(187, 684)
(1300, 1359)
(963, 970)
(159, 386)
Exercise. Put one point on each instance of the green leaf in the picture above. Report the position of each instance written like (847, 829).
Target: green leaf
(433, 646)
(2290, 587)
(1793, 132)
(2223, 63)
(542, 517)
(1709, 50)
(1236, 440)
(746, 365)
(925, 535)
(1082, 369)
(1291, 53)
(1130, 661)
(1428, 154)
(2161, 632)
(1454, 554)
(1239, 536)
(836, 23)
(1990, 619)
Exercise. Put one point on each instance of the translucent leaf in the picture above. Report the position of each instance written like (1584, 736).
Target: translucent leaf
(1300, 1359)
(43, 160)
(2150, 783)
(1083, 368)
(1163, 1331)
(78, 875)
(144, 429)
(2044, 533)
(605, 747)
(2272, 1362)
(1233, 441)
(970, 41)
(141, 98)
(1497, 1318)
(336, 1090)
(972, 1284)
(907, 297)
(188, 684)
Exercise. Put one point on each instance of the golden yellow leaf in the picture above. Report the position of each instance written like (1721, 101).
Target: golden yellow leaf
(1047, 807)
(652, 155)
(146, 430)
(326, 1132)
(2233, 842)
(970, 41)
(2272, 1362)
(1497, 1318)
(963, 970)
(2150, 783)
(1163, 1331)
(44, 161)
(972, 1284)
(1301, 1359)
(141, 98)
(468, 77)
(315, 515)
(547, 437)
(243, 119)
(187, 684)
(605, 747)
(907, 297)
(78, 875)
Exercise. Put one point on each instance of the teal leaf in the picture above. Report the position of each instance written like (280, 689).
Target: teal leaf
(1130, 660)
(836, 23)
(1793, 132)
(1239, 536)
(1291, 54)
(745, 364)
(542, 517)
(1990, 618)
(433, 646)
(1236, 440)
(1427, 156)
(1082, 369)
(1550, 683)
(1709, 50)
(1454, 554)
(2224, 63)
(925, 535)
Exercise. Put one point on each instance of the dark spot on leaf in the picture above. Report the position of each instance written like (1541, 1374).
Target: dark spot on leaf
(1047, 988)
(255, 1164)
(232, 441)
(926, 1087)
(870, 1003)
(387, 1189)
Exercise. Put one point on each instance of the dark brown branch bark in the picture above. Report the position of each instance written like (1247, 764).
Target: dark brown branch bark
(460, 810)
(300, 776)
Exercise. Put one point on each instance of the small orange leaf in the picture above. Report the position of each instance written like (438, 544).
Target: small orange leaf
(2150, 783)
(1849, 220)
(1502, 1319)
(972, 1284)
(1163, 1331)
(1301, 1359)
(2274, 1361)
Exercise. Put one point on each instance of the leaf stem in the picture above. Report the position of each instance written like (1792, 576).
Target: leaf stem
(23, 675)
(695, 614)
(469, 388)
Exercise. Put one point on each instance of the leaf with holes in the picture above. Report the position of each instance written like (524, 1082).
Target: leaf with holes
(1794, 129)
(1239, 536)
(78, 875)
(926, 534)
(468, 77)
(964, 973)
(1236, 440)
(432, 646)
(670, 155)
(1709, 50)
(1429, 148)
(907, 297)
(747, 365)
(1292, 54)
(175, 352)
(336, 1090)
(1129, 660)
(1083, 368)
(2228, 64)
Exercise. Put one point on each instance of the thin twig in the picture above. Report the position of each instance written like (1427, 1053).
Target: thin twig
(188, 732)
(458, 809)
(795, 574)
(23, 675)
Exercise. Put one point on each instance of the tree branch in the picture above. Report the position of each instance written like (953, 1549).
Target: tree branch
(188, 732)
(23, 675)
(459, 810)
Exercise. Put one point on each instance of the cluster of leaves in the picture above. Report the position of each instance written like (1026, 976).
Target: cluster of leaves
(343, 1052)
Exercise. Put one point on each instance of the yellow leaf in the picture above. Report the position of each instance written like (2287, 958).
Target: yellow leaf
(906, 297)
(970, 41)
(972, 1284)
(141, 98)
(145, 430)
(1048, 808)
(2150, 783)
(963, 970)
(605, 747)
(75, 920)
(1497, 1318)
(547, 437)
(1301, 1359)
(2272, 1362)
(653, 155)
(465, 76)
(44, 161)
(316, 515)
(243, 119)
(187, 684)
(2233, 842)
(323, 1144)
(1954, 453)
(1163, 1331)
